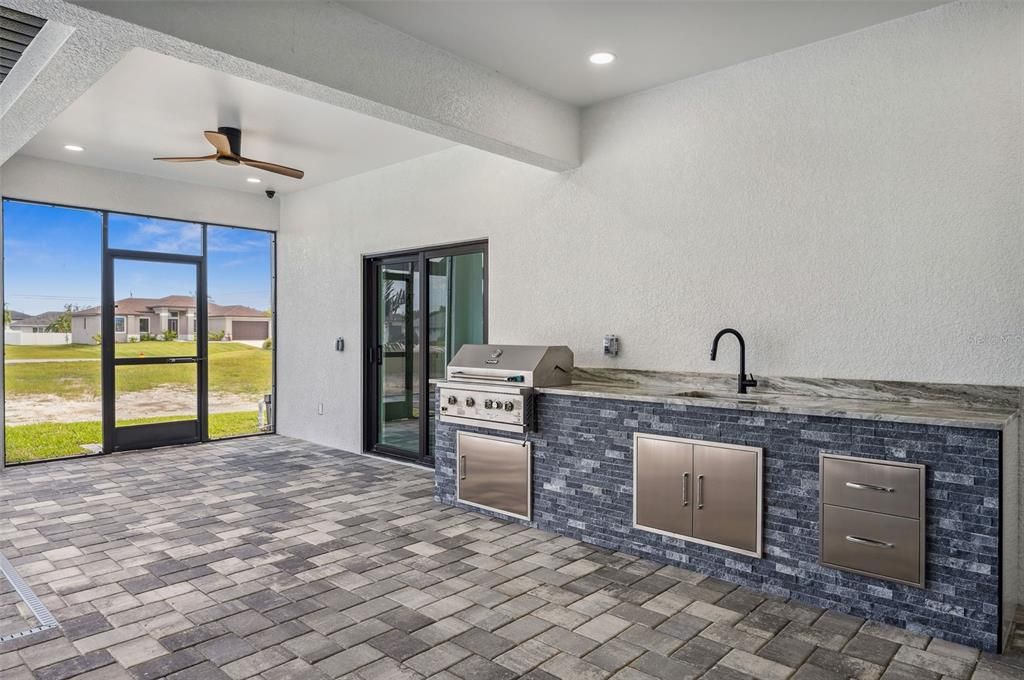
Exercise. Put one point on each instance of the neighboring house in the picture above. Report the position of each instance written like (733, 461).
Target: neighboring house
(238, 322)
(34, 324)
(136, 317)
(15, 316)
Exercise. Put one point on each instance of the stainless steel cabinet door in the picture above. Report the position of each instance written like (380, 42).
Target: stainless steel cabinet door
(494, 473)
(726, 496)
(662, 491)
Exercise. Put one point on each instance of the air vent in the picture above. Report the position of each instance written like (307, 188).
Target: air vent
(16, 31)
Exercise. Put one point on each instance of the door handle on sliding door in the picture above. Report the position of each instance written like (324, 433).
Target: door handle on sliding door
(380, 355)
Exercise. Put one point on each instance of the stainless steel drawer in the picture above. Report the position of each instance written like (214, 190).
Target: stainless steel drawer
(894, 489)
(494, 473)
(872, 543)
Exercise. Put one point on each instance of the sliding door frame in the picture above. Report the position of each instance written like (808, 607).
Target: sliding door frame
(371, 338)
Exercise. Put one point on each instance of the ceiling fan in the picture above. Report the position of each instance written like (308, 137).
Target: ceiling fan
(228, 143)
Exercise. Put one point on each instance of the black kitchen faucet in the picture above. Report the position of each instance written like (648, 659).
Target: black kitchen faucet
(743, 382)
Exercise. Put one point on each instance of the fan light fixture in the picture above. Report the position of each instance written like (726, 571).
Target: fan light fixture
(227, 145)
(602, 58)
(253, 180)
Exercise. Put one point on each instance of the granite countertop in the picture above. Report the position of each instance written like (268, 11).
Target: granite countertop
(973, 406)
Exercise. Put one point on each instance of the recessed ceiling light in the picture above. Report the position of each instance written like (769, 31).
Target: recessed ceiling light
(602, 58)
(73, 147)
(253, 180)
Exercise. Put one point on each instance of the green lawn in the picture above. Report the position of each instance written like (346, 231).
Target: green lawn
(151, 348)
(234, 368)
(55, 440)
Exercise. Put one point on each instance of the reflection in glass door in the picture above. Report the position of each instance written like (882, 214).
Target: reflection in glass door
(456, 300)
(421, 308)
(154, 370)
(398, 356)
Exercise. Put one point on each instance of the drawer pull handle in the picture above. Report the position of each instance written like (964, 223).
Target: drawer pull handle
(870, 487)
(700, 492)
(869, 541)
(463, 470)
(686, 489)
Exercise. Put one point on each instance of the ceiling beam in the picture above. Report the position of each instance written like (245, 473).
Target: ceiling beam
(44, 46)
(320, 50)
(59, 65)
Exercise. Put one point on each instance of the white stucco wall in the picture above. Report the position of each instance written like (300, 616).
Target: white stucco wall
(36, 179)
(852, 206)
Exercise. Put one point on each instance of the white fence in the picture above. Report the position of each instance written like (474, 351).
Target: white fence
(24, 338)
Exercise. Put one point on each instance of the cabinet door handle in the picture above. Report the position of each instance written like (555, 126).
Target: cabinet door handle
(870, 487)
(462, 467)
(869, 541)
(686, 489)
(700, 492)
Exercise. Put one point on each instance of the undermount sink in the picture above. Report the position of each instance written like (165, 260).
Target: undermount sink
(699, 394)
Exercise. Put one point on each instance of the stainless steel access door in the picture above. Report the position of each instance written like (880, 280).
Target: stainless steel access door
(727, 499)
(663, 485)
(494, 473)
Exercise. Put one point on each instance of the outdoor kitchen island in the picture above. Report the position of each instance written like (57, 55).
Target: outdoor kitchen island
(964, 441)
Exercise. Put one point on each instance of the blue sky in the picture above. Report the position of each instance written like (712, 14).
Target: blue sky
(52, 257)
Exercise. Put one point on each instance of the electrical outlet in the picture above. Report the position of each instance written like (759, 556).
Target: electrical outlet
(320, 409)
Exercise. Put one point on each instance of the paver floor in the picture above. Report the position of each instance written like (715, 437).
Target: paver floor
(274, 558)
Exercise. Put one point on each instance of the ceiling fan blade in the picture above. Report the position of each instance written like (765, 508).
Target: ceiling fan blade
(187, 159)
(220, 142)
(274, 167)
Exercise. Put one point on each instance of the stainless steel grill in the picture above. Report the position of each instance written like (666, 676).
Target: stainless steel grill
(492, 386)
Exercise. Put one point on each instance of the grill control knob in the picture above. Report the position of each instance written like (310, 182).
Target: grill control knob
(509, 406)
(488, 403)
(470, 401)
(453, 399)
(497, 405)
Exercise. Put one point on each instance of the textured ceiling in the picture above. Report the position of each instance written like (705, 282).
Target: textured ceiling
(153, 105)
(545, 44)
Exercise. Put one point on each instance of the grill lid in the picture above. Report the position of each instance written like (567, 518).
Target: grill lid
(525, 365)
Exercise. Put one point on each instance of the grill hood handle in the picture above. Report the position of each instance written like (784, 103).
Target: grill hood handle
(492, 378)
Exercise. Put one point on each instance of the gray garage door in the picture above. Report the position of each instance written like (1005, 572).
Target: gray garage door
(250, 330)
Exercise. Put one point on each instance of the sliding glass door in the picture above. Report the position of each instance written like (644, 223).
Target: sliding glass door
(420, 308)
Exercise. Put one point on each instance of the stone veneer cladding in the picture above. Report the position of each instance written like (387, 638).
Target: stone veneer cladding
(582, 487)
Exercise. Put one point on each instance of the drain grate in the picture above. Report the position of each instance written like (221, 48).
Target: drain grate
(16, 586)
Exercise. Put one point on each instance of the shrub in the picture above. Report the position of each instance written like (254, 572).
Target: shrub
(216, 336)
(146, 337)
(268, 344)
(170, 335)
(98, 339)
